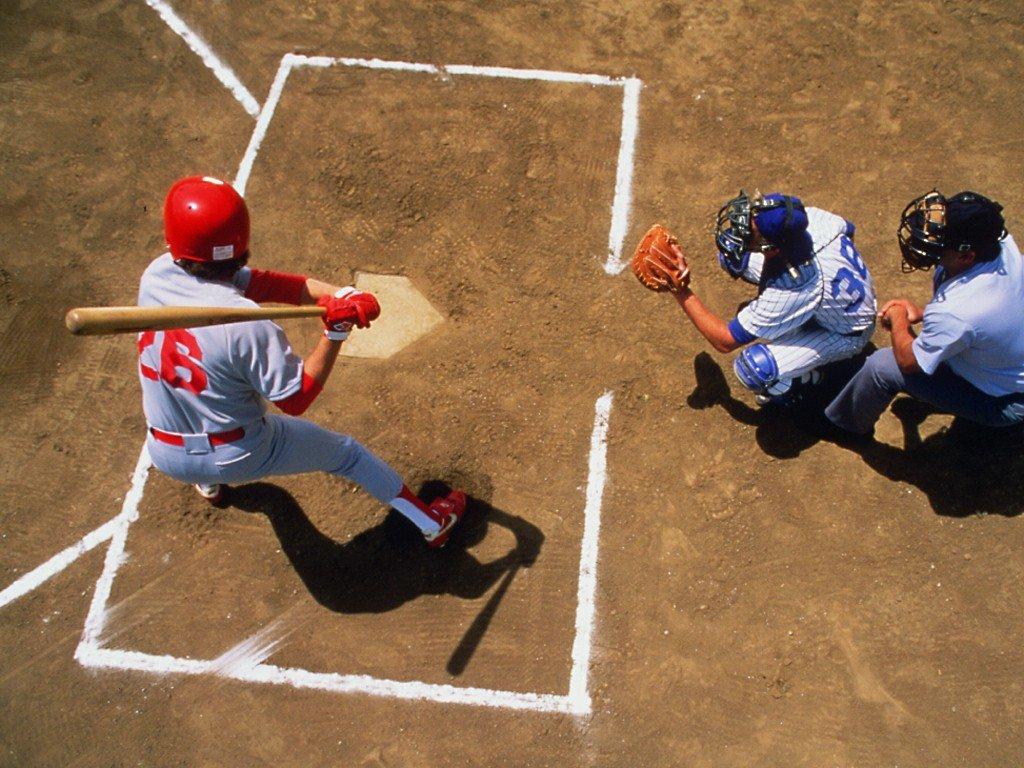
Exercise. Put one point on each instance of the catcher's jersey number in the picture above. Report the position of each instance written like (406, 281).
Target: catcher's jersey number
(179, 352)
(850, 283)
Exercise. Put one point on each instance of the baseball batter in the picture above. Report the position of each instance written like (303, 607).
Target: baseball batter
(205, 390)
(815, 301)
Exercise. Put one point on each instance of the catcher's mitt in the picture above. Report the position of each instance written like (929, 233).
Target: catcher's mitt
(655, 264)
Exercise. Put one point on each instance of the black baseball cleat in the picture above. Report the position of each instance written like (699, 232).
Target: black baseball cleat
(799, 394)
(968, 435)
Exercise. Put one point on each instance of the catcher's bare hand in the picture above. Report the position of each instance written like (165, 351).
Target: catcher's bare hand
(658, 261)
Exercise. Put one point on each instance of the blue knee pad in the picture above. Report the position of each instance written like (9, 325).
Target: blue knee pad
(756, 368)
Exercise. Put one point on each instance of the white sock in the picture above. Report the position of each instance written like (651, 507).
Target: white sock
(417, 516)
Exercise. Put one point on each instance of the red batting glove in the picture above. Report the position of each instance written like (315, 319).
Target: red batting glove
(367, 307)
(346, 308)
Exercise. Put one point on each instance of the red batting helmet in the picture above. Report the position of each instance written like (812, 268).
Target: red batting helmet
(205, 219)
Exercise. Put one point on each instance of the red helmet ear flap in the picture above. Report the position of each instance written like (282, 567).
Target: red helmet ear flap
(205, 219)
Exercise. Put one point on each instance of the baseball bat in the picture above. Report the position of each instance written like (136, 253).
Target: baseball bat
(95, 321)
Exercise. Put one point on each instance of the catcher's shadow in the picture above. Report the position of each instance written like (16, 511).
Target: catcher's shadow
(776, 434)
(382, 568)
(782, 433)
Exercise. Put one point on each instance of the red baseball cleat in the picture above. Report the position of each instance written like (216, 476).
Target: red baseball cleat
(212, 493)
(450, 509)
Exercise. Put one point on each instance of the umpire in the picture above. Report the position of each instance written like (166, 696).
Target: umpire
(968, 359)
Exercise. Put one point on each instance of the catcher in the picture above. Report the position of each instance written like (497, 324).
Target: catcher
(815, 302)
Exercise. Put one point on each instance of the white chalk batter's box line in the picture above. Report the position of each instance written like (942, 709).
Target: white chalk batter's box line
(246, 660)
(631, 86)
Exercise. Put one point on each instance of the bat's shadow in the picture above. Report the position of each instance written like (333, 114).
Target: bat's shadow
(386, 566)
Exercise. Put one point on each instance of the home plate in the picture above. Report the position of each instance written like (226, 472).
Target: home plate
(405, 316)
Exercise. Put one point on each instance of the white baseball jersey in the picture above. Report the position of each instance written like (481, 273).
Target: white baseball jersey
(215, 379)
(210, 379)
(833, 289)
(814, 314)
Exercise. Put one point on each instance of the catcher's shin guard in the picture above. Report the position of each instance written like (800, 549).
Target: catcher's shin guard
(757, 369)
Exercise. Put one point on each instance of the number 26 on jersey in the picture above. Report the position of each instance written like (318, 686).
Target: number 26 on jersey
(179, 360)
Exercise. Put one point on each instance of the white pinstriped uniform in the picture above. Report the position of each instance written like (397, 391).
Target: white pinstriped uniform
(817, 313)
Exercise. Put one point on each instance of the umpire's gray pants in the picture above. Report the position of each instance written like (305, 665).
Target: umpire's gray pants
(278, 445)
(866, 396)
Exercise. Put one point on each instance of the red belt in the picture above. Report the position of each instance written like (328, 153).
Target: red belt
(216, 438)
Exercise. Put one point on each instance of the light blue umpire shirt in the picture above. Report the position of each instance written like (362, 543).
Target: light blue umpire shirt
(975, 324)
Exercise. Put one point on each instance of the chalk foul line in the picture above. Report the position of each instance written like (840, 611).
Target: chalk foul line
(57, 563)
(87, 543)
(221, 71)
(624, 176)
(586, 595)
(263, 122)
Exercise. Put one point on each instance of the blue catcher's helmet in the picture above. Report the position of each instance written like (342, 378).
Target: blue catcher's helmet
(778, 217)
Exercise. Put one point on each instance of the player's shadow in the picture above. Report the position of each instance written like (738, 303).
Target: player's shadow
(776, 433)
(384, 567)
(964, 470)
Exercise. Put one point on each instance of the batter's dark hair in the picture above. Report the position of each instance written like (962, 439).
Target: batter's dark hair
(221, 271)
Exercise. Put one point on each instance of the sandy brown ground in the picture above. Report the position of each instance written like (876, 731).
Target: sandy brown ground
(763, 599)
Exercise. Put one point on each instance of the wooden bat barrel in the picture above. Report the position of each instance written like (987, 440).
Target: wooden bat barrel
(96, 321)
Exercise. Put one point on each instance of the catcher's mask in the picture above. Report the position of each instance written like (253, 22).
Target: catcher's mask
(734, 227)
(926, 230)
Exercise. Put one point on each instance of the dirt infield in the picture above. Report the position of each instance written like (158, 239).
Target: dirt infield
(762, 598)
